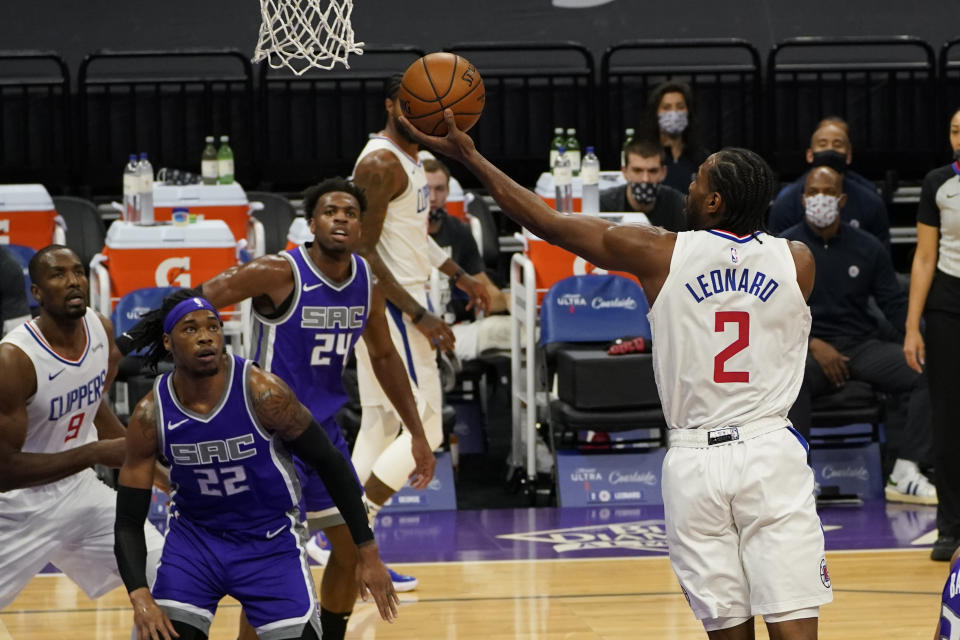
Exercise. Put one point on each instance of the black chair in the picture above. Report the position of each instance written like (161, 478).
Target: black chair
(855, 403)
(275, 216)
(86, 232)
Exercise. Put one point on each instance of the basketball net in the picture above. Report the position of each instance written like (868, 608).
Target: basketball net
(299, 34)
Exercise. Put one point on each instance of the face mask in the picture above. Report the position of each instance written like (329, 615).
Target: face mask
(437, 215)
(645, 192)
(673, 122)
(830, 158)
(822, 210)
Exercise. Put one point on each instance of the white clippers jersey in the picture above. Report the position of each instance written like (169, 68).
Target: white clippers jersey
(730, 331)
(403, 241)
(60, 414)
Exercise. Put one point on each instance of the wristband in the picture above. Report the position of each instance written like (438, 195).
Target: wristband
(459, 274)
(418, 316)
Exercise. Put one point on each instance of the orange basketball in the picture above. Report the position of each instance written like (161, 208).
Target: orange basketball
(441, 81)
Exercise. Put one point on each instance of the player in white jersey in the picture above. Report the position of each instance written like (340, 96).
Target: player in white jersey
(730, 329)
(401, 254)
(53, 428)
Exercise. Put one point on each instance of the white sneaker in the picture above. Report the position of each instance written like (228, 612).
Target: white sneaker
(317, 553)
(912, 487)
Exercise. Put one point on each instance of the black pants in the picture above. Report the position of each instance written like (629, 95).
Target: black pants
(943, 367)
(882, 365)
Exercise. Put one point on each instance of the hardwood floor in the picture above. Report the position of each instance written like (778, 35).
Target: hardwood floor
(878, 594)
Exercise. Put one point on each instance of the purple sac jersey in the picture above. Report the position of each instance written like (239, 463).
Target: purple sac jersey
(228, 473)
(308, 346)
(950, 607)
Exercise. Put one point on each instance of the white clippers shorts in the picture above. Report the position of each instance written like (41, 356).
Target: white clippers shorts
(742, 525)
(68, 523)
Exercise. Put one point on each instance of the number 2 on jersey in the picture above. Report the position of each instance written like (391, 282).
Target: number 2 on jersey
(742, 320)
(329, 342)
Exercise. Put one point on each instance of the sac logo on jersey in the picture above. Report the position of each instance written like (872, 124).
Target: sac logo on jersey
(206, 452)
(332, 317)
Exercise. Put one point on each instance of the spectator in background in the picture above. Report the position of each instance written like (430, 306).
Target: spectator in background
(830, 147)
(935, 294)
(670, 119)
(846, 170)
(474, 336)
(645, 190)
(852, 265)
(14, 309)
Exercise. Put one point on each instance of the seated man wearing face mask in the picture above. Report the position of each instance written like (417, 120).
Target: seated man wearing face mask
(830, 147)
(644, 172)
(851, 266)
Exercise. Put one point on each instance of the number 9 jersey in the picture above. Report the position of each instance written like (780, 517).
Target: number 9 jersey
(308, 346)
(730, 330)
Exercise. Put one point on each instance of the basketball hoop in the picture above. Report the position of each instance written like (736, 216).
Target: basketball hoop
(299, 34)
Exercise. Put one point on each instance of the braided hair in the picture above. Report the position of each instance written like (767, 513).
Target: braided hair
(150, 335)
(745, 183)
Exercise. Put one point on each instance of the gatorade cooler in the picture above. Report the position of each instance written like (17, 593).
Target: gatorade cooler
(456, 201)
(546, 190)
(227, 202)
(28, 218)
(137, 256)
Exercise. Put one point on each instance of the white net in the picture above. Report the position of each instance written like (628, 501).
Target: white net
(301, 34)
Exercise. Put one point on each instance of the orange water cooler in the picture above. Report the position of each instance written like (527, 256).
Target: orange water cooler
(28, 217)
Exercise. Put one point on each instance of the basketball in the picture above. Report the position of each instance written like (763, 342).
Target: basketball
(441, 81)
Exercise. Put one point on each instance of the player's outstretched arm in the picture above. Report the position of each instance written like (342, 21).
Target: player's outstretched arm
(133, 503)
(279, 411)
(268, 280)
(383, 178)
(639, 249)
(19, 469)
(392, 376)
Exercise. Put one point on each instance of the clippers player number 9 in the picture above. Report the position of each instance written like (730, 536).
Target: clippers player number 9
(742, 321)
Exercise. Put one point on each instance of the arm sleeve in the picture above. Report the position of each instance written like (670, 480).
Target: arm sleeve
(927, 211)
(129, 542)
(435, 254)
(314, 447)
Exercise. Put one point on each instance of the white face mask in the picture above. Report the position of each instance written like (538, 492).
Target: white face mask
(822, 210)
(672, 122)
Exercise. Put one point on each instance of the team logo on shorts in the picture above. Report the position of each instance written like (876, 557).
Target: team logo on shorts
(824, 574)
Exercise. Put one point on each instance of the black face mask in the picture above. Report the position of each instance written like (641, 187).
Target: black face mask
(830, 158)
(645, 192)
(437, 215)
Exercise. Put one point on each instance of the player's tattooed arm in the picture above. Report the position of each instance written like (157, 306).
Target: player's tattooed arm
(276, 406)
(141, 446)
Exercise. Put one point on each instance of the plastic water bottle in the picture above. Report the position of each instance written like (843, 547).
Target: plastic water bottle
(131, 190)
(225, 161)
(563, 181)
(590, 175)
(555, 144)
(573, 150)
(628, 136)
(145, 173)
(208, 162)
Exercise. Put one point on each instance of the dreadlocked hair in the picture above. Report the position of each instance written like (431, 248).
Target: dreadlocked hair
(745, 183)
(151, 336)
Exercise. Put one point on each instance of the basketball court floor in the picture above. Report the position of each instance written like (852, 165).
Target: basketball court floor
(564, 573)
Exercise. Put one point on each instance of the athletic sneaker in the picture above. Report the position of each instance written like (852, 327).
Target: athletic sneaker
(401, 582)
(944, 548)
(907, 484)
(318, 553)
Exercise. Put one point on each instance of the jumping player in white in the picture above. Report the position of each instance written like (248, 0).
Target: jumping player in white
(730, 329)
(401, 255)
(53, 428)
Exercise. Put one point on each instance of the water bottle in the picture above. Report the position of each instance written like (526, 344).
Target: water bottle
(208, 162)
(225, 161)
(563, 181)
(131, 190)
(590, 175)
(555, 144)
(145, 173)
(628, 136)
(573, 150)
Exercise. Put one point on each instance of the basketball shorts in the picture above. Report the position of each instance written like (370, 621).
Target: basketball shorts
(316, 503)
(68, 523)
(265, 570)
(742, 527)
